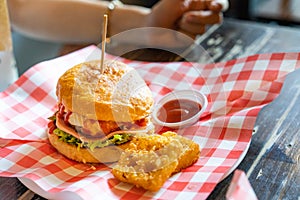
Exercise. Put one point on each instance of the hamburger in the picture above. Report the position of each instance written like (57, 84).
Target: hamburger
(99, 112)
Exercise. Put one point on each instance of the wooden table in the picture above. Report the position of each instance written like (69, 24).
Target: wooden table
(272, 161)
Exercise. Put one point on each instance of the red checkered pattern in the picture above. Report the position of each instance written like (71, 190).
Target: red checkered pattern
(236, 92)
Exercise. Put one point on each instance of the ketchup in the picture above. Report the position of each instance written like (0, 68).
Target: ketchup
(178, 110)
(51, 126)
(62, 113)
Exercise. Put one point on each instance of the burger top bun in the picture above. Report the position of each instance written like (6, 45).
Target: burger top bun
(117, 94)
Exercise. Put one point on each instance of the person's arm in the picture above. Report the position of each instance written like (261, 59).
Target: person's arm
(73, 21)
(80, 21)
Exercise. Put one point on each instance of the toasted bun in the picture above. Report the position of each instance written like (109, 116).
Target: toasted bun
(107, 154)
(118, 94)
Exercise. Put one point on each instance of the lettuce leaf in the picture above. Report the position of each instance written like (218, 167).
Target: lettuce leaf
(114, 140)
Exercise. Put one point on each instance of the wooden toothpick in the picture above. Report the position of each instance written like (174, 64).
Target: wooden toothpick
(104, 32)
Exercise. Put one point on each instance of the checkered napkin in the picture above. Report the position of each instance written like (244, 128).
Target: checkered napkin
(236, 91)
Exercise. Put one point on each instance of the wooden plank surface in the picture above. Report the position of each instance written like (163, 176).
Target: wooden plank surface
(229, 40)
(236, 38)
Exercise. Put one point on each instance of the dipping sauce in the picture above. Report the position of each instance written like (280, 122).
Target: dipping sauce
(178, 110)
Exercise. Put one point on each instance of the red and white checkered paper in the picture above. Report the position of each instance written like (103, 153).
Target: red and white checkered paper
(236, 92)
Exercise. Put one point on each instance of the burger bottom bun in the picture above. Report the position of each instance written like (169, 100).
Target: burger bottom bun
(107, 154)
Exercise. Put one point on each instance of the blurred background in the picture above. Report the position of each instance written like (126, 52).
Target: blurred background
(275, 12)
(282, 12)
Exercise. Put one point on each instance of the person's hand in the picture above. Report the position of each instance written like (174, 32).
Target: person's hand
(199, 14)
(166, 13)
(176, 22)
(188, 16)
